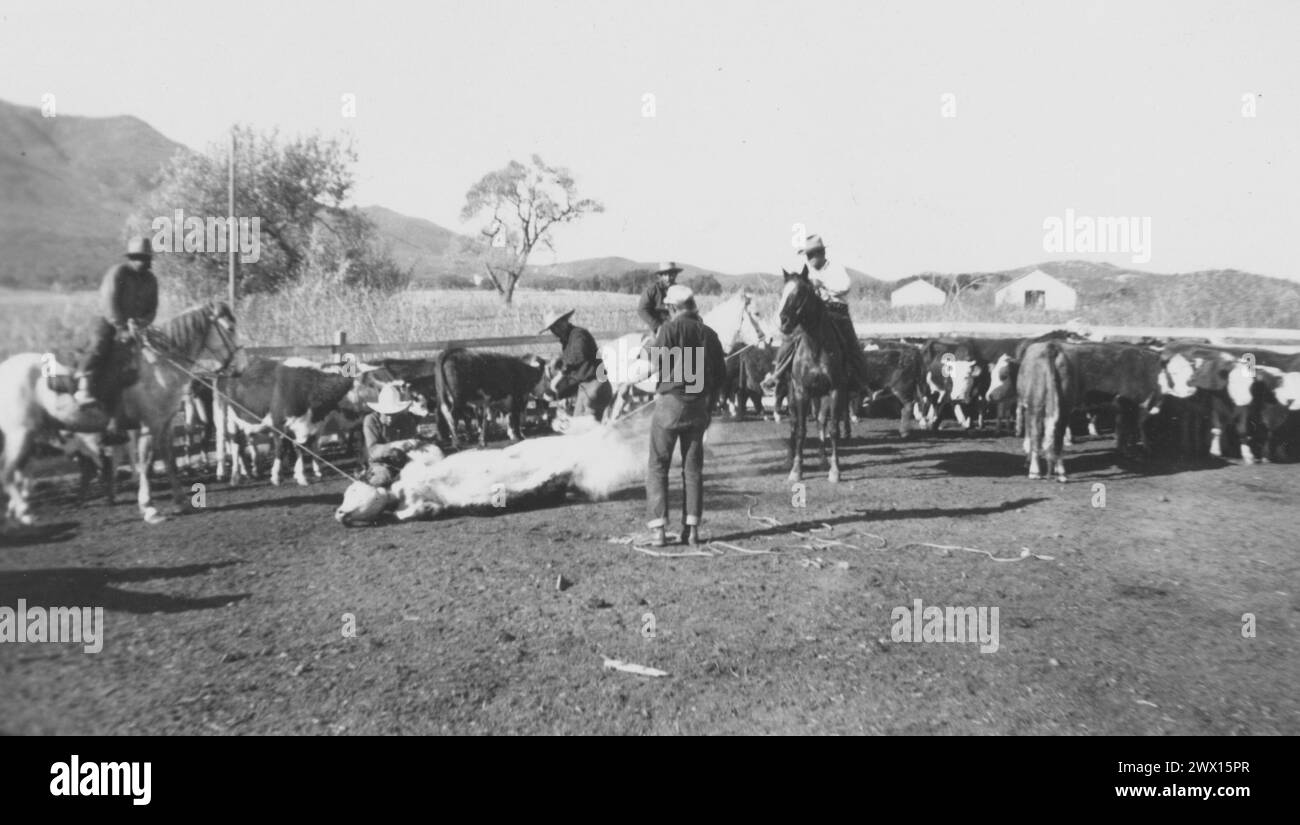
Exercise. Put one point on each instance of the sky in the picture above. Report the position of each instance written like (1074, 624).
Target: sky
(913, 136)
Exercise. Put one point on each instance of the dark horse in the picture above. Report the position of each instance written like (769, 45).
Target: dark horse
(817, 373)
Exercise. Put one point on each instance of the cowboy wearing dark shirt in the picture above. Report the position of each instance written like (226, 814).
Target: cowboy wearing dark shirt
(692, 368)
(128, 297)
(651, 307)
(580, 372)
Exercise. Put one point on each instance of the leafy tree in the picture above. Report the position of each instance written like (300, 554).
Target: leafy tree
(522, 204)
(297, 188)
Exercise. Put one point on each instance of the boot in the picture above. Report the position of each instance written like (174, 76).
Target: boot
(657, 537)
(113, 433)
(85, 396)
(691, 535)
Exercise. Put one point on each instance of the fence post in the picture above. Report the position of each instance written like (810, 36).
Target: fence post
(340, 343)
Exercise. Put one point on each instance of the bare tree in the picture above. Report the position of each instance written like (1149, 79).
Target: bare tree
(522, 204)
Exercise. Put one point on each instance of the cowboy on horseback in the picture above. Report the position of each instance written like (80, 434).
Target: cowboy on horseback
(128, 298)
(653, 308)
(832, 282)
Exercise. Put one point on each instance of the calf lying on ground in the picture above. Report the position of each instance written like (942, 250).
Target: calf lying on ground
(595, 461)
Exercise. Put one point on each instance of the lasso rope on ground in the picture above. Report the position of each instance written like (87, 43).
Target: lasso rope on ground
(813, 543)
(212, 385)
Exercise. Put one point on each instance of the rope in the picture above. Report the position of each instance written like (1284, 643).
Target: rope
(212, 385)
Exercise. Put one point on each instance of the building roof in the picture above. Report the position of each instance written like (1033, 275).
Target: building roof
(1036, 278)
(919, 285)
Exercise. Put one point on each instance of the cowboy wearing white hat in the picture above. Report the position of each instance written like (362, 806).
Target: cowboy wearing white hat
(832, 282)
(692, 369)
(390, 433)
(652, 307)
(128, 299)
(580, 372)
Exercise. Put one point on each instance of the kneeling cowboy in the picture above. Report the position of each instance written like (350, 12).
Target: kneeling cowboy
(683, 403)
(832, 282)
(128, 298)
(391, 433)
(581, 372)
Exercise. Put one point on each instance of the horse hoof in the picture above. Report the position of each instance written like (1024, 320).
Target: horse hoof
(1034, 475)
(794, 476)
(833, 477)
(302, 482)
(152, 516)
(1061, 478)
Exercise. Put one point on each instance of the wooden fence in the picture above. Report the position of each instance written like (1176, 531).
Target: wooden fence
(1280, 340)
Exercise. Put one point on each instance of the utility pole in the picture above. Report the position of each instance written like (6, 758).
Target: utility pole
(233, 242)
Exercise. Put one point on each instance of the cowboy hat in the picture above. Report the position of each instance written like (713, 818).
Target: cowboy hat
(555, 319)
(679, 294)
(139, 247)
(813, 244)
(668, 267)
(390, 401)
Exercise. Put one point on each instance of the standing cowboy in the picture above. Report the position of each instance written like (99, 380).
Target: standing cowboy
(128, 298)
(652, 308)
(581, 372)
(832, 282)
(391, 433)
(692, 369)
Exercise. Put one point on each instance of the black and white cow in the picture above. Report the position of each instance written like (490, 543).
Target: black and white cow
(295, 398)
(958, 374)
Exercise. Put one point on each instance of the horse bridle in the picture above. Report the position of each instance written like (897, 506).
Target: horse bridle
(232, 348)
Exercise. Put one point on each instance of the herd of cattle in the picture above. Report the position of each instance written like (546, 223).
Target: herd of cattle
(1183, 397)
(1186, 397)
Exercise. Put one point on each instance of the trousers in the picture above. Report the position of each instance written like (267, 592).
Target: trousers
(676, 421)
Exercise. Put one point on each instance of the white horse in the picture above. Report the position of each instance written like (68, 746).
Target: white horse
(201, 339)
(634, 376)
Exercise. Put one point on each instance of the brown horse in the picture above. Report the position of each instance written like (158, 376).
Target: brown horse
(817, 372)
(198, 340)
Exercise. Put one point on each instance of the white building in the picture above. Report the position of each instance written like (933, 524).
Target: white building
(1037, 290)
(918, 293)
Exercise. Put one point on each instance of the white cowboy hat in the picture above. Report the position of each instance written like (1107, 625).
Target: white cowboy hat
(390, 401)
(679, 294)
(555, 319)
(668, 267)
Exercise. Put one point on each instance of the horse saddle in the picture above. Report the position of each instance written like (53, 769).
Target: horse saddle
(121, 371)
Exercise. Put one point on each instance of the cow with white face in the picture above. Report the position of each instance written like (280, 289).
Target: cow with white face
(1264, 398)
(962, 375)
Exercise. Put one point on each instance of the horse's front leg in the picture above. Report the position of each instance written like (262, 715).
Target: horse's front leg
(17, 448)
(166, 451)
(836, 403)
(798, 408)
(144, 459)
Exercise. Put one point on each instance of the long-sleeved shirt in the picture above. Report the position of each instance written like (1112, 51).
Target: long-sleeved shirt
(126, 294)
(832, 281)
(686, 336)
(400, 427)
(651, 307)
(579, 361)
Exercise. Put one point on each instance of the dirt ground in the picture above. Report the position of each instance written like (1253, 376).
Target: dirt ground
(231, 619)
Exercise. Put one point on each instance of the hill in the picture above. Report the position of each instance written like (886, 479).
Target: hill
(67, 185)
